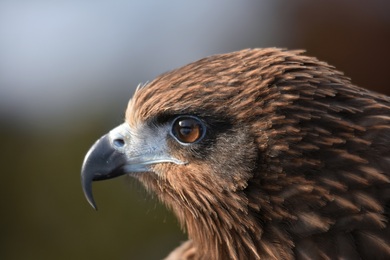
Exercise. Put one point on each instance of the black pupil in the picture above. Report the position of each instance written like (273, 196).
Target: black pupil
(186, 126)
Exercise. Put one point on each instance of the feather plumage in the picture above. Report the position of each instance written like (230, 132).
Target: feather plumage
(295, 162)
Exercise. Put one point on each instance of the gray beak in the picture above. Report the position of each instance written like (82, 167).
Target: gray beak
(124, 150)
(101, 162)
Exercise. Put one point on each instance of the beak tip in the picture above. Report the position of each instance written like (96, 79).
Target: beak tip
(87, 189)
(93, 204)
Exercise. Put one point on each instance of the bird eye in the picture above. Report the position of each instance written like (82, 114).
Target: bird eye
(187, 129)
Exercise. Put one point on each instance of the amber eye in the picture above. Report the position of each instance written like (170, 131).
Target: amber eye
(188, 129)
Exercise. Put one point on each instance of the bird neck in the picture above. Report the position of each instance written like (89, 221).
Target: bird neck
(225, 229)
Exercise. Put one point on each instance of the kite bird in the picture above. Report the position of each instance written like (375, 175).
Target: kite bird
(261, 154)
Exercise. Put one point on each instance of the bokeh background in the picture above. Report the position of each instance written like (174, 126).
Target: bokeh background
(68, 69)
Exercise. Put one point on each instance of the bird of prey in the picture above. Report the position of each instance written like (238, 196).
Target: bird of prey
(261, 154)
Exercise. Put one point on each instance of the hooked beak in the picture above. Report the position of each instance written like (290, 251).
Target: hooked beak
(120, 152)
(101, 162)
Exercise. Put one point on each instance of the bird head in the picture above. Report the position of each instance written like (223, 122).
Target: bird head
(189, 137)
(231, 139)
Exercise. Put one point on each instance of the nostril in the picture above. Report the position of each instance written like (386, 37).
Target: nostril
(119, 143)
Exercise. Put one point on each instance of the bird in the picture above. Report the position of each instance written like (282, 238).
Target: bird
(262, 153)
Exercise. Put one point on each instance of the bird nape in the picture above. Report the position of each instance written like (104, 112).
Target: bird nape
(261, 154)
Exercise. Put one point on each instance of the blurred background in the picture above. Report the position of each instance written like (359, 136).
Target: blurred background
(68, 69)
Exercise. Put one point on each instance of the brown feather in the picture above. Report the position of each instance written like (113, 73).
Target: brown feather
(298, 166)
